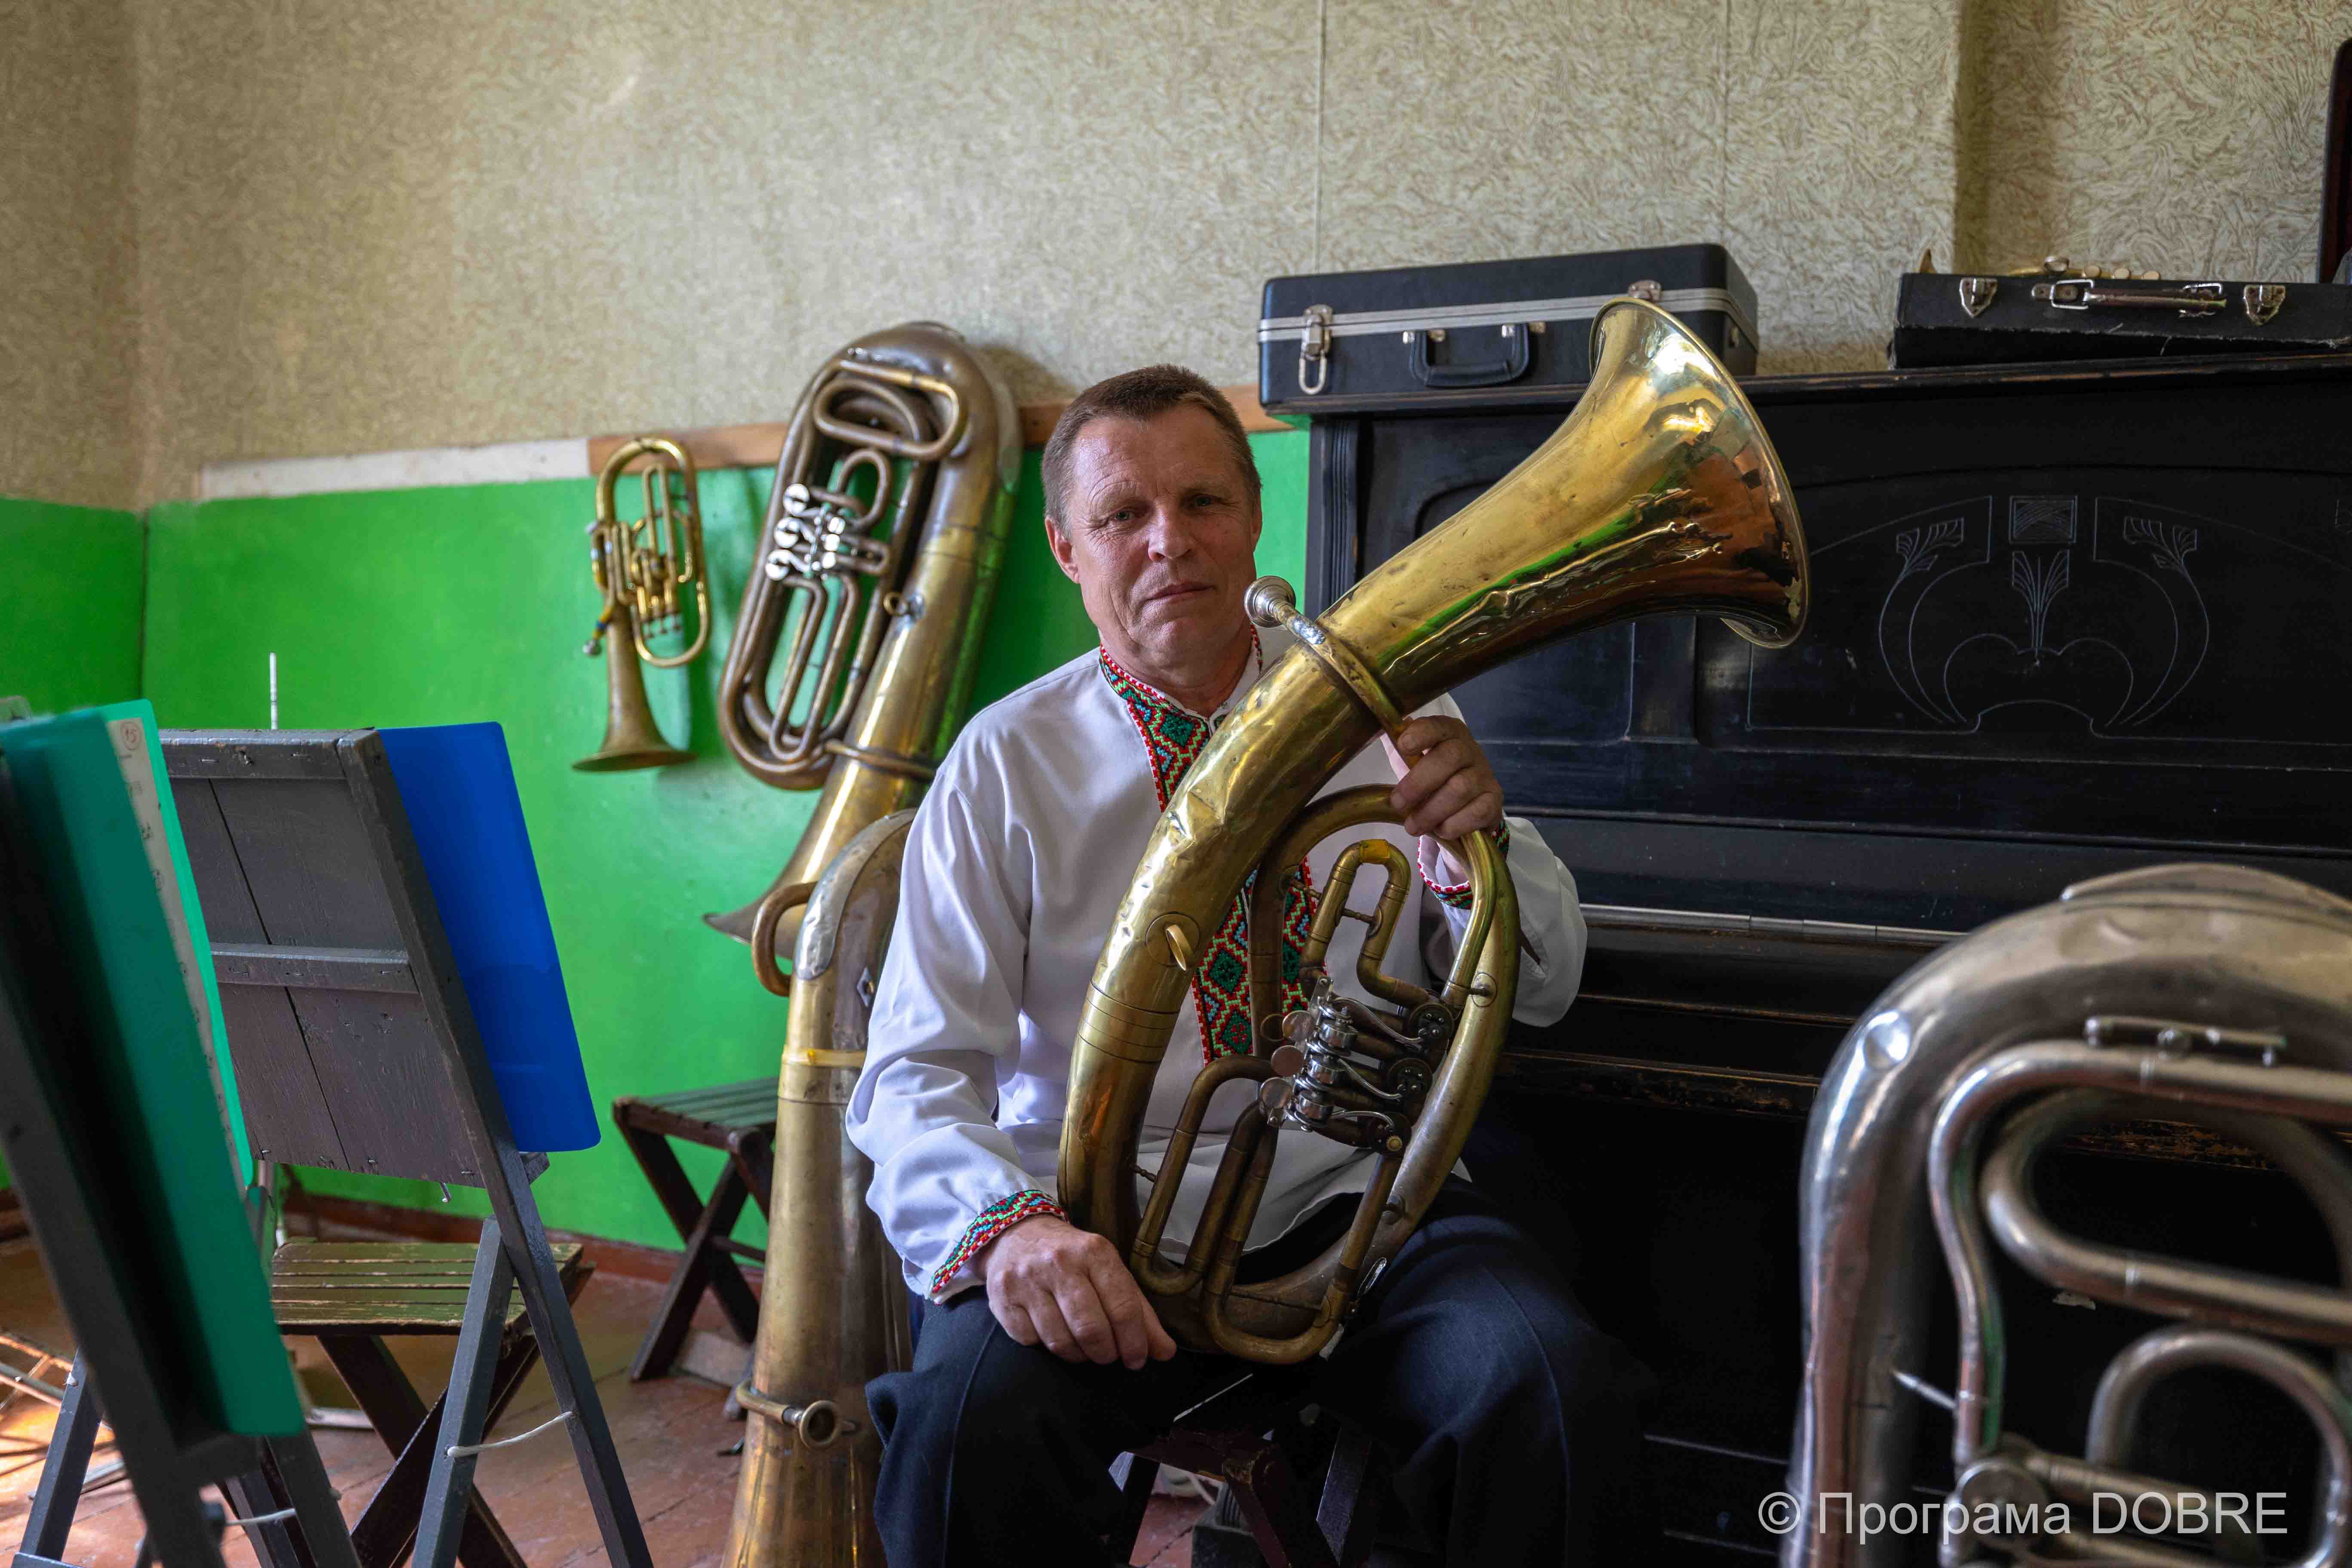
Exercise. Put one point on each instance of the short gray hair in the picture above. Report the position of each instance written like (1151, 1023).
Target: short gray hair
(1141, 395)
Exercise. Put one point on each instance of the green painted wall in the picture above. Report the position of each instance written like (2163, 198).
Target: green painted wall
(70, 628)
(70, 633)
(447, 605)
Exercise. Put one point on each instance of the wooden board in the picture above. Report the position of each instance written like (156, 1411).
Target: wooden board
(758, 446)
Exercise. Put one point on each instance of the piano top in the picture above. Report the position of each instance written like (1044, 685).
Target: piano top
(2067, 620)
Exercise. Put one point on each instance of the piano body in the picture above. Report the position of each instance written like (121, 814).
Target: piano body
(2067, 620)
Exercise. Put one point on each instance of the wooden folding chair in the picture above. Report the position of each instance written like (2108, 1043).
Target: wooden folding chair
(739, 1118)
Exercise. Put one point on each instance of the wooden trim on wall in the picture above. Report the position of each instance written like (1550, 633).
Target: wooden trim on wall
(759, 446)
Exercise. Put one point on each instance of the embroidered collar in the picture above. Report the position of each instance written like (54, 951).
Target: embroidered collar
(1173, 737)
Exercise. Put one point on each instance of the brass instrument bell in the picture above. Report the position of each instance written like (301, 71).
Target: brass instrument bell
(645, 568)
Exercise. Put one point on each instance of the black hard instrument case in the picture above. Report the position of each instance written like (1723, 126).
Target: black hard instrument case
(1481, 331)
(1949, 318)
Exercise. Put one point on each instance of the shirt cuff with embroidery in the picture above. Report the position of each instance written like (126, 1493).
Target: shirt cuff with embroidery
(1456, 895)
(988, 1224)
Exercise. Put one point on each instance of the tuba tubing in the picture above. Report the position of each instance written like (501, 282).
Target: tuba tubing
(951, 416)
(1659, 495)
(832, 1311)
(2216, 951)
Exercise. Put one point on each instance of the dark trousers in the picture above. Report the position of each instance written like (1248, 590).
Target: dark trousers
(1514, 1424)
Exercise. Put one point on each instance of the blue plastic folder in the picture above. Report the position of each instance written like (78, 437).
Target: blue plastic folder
(459, 789)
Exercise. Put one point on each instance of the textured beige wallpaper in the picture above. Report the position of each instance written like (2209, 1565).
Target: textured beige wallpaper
(398, 223)
(2183, 136)
(409, 225)
(68, 338)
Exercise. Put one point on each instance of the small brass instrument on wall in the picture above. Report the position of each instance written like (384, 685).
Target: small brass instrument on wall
(2213, 995)
(647, 568)
(876, 565)
(1660, 495)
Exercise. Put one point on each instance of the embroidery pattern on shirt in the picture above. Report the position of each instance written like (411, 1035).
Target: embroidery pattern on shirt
(1174, 738)
(990, 1223)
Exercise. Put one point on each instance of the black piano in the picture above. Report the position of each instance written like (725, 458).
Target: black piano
(2067, 620)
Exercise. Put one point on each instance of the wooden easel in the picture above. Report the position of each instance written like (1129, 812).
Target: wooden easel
(358, 1049)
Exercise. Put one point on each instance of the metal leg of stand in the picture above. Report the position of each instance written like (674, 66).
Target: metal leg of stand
(302, 1476)
(575, 1386)
(252, 1496)
(51, 1520)
(469, 1401)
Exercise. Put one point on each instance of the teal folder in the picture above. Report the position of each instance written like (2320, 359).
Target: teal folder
(152, 1108)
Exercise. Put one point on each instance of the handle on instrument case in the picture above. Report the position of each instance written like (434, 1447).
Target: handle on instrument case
(1476, 373)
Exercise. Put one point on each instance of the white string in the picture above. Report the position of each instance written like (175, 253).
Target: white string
(273, 692)
(281, 1515)
(467, 1450)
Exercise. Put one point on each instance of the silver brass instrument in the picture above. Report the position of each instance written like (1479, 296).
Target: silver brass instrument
(647, 568)
(2206, 993)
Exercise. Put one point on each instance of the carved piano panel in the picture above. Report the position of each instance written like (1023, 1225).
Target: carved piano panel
(2074, 623)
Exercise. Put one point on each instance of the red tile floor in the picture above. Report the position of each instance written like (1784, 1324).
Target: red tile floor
(670, 1432)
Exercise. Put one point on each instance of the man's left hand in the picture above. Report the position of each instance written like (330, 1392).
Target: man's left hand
(1445, 788)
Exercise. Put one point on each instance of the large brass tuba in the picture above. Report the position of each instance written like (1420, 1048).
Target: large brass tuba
(878, 559)
(643, 568)
(832, 1311)
(2207, 993)
(1660, 495)
(877, 562)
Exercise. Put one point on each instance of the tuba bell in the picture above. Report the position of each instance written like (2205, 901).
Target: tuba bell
(644, 567)
(876, 563)
(2213, 995)
(1660, 495)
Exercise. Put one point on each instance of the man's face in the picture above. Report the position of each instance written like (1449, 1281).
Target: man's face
(1160, 532)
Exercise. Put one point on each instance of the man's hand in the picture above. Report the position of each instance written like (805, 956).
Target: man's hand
(1445, 788)
(1051, 1283)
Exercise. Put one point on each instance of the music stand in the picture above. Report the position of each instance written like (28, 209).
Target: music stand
(358, 1047)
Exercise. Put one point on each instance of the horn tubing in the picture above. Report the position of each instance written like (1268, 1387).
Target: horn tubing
(2239, 959)
(951, 530)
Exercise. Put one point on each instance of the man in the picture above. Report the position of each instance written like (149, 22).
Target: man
(1513, 1421)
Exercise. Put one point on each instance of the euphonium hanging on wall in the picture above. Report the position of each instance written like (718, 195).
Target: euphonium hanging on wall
(1660, 495)
(648, 569)
(2213, 994)
(877, 562)
(832, 1312)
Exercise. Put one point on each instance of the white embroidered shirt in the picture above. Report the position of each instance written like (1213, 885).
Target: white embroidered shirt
(1014, 869)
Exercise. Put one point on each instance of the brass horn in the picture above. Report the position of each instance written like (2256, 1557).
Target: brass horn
(877, 562)
(1660, 495)
(832, 1312)
(2218, 995)
(644, 567)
